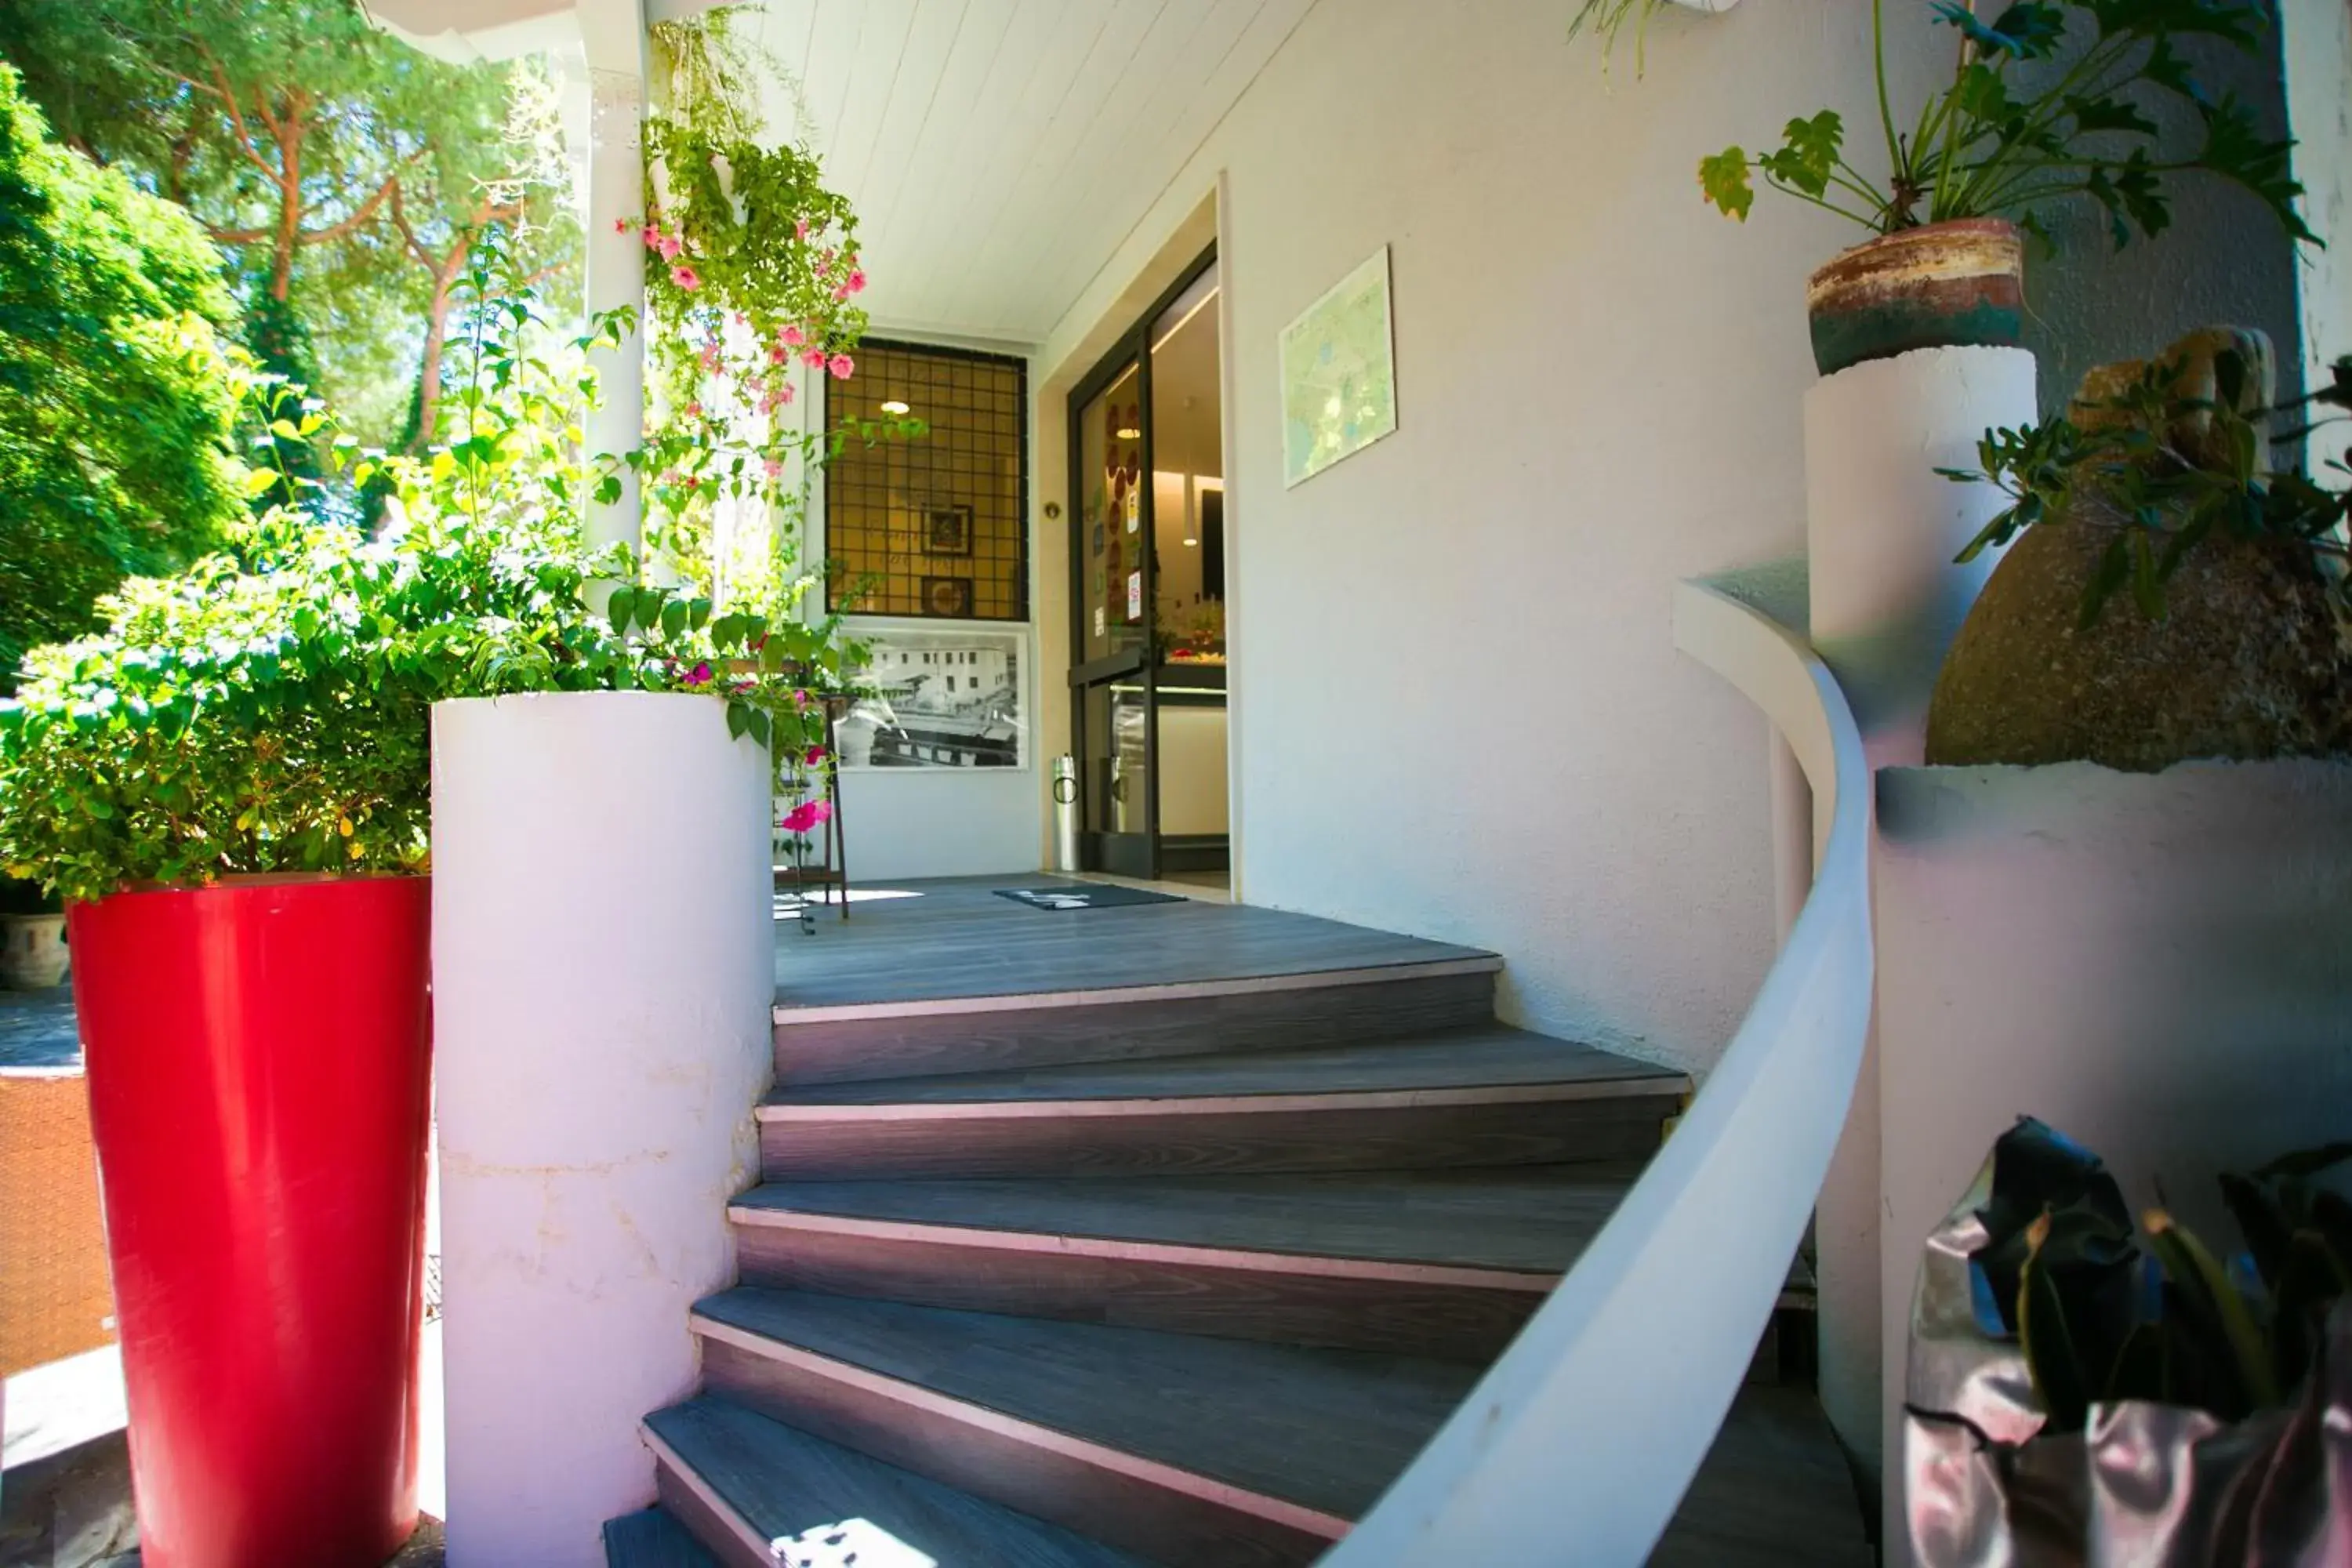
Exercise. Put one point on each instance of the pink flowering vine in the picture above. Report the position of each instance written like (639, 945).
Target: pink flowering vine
(842, 366)
(809, 814)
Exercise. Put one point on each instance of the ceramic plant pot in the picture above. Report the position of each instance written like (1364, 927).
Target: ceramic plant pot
(1945, 285)
(32, 952)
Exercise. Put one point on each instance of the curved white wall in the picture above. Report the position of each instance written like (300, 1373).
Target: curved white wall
(603, 971)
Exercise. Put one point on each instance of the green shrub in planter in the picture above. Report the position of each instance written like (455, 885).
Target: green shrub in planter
(267, 710)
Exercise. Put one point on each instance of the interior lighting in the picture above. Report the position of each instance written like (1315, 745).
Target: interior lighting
(895, 407)
(1127, 433)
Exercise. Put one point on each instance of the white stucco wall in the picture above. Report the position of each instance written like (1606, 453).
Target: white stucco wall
(2319, 109)
(940, 822)
(1458, 711)
(2158, 964)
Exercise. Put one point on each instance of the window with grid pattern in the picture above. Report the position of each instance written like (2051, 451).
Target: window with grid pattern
(934, 526)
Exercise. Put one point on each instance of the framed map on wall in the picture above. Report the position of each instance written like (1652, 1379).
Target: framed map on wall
(1338, 374)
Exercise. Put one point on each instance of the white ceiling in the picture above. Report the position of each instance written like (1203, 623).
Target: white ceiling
(998, 151)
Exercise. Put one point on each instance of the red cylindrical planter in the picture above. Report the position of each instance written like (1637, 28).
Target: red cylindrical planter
(259, 1062)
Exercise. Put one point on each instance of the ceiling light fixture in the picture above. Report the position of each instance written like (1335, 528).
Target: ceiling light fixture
(1127, 433)
(895, 407)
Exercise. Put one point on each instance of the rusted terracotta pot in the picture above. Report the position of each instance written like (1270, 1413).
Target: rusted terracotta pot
(1944, 284)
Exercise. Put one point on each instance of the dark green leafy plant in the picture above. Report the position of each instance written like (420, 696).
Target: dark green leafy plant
(2174, 468)
(2105, 1312)
(117, 399)
(2050, 100)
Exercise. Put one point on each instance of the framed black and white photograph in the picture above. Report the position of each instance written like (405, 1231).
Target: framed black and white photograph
(947, 530)
(936, 699)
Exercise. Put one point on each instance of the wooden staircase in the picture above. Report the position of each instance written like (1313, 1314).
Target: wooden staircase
(1179, 1277)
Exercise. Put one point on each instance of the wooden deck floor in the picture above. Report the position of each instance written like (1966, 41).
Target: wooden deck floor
(955, 938)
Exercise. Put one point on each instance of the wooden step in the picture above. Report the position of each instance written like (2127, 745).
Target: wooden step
(1432, 1263)
(1246, 1010)
(1192, 1450)
(748, 1482)
(654, 1539)
(1487, 1094)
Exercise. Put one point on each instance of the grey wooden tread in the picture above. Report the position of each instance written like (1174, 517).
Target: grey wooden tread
(972, 945)
(1483, 1057)
(653, 1539)
(1517, 1218)
(1322, 1429)
(780, 1483)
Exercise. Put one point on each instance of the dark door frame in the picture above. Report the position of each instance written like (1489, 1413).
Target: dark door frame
(1126, 854)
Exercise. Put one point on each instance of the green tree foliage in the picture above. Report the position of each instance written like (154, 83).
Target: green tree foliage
(116, 399)
(341, 167)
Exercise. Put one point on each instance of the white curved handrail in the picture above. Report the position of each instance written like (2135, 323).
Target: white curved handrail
(1577, 1445)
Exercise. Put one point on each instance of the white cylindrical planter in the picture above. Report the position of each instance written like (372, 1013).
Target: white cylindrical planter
(604, 975)
(1887, 600)
(1882, 526)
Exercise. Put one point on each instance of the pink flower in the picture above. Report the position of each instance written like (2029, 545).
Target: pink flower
(694, 411)
(686, 277)
(857, 281)
(842, 367)
(709, 357)
(792, 337)
(699, 675)
(841, 294)
(774, 467)
(799, 228)
(777, 355)
(653, 236)
(807, 814)
(814, 358)
(800, 700)
(669, 244)
(620, 226)
(739, 318)
(815, 755)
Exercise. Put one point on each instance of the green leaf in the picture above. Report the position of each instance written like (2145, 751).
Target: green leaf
(673, 616)
(739, 721)
(620, 608)
(2093, 115)
(2212, 1308)
(1809, 153)
(1722, 181)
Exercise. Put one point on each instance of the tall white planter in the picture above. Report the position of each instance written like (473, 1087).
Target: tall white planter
(603, 972)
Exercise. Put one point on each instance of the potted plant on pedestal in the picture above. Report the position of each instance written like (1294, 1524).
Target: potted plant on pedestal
(2050, 100)
(2168, 596)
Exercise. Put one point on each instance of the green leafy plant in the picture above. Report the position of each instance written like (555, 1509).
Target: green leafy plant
(752, 272)
(2175, 464)
(2050, 100)
(117, 397)
(1610, 19)
(2104, 1311)
(267, 709)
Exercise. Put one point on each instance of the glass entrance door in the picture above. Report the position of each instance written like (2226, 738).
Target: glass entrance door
(1110, 675)
(1147, 552)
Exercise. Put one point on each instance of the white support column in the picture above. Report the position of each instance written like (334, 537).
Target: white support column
(615, 34)
(1882, 528)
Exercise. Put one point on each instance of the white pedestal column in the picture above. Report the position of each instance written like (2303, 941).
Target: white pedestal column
(604, 974)
(1882, 528)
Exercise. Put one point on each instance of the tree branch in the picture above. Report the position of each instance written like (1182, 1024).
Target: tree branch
(220, 90)
(361, 216)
